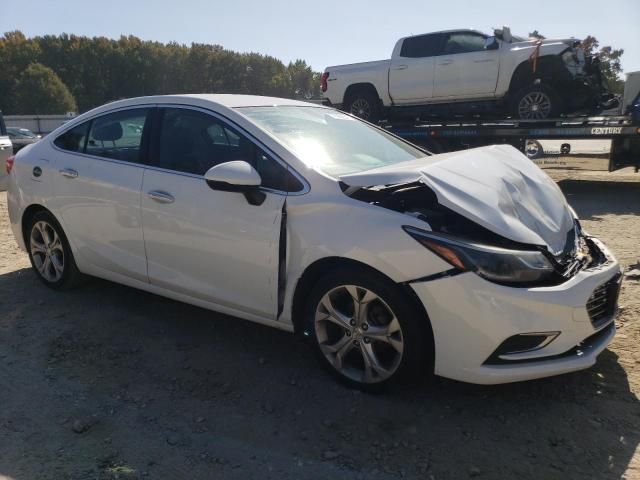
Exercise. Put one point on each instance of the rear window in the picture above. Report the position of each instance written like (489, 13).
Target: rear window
(73, 140)
(422, 46)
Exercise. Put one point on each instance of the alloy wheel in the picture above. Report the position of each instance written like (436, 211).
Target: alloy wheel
(534, 106)
(47, 251)
(361, 108)
(359, 334)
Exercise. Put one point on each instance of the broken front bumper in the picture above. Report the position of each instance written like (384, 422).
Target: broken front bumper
(472, 317)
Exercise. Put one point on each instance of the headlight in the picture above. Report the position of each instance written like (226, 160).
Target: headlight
(500, 265)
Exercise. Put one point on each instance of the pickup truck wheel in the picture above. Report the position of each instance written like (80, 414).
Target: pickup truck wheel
(365, 105)
(535, 102)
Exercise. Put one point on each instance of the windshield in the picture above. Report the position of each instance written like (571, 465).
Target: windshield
(331, 141)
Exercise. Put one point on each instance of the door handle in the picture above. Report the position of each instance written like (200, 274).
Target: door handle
(483, 61)
(445, 62)
(69, 173)
(401, 67)
(161, 197)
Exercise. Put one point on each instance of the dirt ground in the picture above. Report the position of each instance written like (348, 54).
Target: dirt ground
(107, 382)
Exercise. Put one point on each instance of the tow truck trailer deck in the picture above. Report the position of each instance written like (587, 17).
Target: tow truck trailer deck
(445, 136)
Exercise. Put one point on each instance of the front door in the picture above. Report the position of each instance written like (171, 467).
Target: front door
(208, 244)
(465, 69)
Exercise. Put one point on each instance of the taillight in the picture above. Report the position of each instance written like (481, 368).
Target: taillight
(10, 162)
(323, 81)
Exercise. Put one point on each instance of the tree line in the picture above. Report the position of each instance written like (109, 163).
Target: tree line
(55, 74)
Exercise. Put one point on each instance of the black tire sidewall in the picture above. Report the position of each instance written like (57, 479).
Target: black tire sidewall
(70, 271)
(416, 330)
(373, 102)
(556, 108)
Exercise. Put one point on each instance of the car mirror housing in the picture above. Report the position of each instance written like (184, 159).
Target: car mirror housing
(491, 43)
(236, 176)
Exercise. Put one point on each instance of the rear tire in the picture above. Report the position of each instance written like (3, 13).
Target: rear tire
(536, 102)
(366, 331)
(364, 104)
(50, 253)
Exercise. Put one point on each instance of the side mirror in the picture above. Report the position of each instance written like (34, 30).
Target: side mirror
(236, 176)
(491, 43)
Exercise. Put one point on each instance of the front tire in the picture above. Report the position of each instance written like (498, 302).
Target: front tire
(49, 252)
(366, 331)
(536, 102)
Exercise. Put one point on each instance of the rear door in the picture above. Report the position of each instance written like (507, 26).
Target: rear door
(98, 168)
(465, 68)
(209, 244)
(411, 74)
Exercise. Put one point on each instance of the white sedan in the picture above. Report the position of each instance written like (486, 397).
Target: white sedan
(392, 262)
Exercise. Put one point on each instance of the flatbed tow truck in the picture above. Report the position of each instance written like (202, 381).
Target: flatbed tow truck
(623, 129)
(446, 136)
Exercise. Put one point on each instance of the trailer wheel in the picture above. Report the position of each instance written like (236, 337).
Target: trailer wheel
(364, 104)
(535, 102)
(533, 149)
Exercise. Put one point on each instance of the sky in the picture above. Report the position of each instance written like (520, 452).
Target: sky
(327, 32)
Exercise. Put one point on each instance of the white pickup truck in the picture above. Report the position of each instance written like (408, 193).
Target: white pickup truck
(467, 72)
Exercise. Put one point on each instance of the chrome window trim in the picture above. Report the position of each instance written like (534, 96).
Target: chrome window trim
(91, 119)
(306, 188)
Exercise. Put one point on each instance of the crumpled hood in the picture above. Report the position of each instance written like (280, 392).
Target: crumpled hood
(497, 187)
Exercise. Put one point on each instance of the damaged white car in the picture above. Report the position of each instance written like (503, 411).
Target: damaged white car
(391, 261)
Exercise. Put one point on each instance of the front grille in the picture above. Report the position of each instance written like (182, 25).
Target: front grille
(603, 301)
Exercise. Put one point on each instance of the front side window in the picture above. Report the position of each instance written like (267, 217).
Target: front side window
(464, 42)
(73, 140)
(331, 141)
(118, 135)
(192, 142)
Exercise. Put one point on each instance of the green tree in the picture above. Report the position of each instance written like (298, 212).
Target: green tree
(40, 91)
(609, 62)
(304, 81)
(16, 53)
(99, 69)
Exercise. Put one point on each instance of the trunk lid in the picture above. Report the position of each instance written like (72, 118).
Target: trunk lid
(497, 187)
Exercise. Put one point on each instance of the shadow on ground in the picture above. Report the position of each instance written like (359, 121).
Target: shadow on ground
(591, 199)
(159, 389)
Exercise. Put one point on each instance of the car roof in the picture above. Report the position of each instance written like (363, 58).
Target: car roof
(234, 101)
(220, 99)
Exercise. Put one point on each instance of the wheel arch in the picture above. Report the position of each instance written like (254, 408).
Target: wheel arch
(523, 74)
(359, 87)
(27, 215)
(320, 267)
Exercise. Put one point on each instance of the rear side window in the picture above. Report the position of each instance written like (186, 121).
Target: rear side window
(464, 42)
(73, 140)
(118, 135)
(3, 127)
(422, 46)
(193, 142)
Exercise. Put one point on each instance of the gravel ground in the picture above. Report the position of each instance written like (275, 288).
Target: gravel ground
(107, 382)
